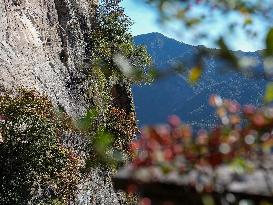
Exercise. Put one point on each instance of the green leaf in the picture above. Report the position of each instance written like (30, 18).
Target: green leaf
(269, 42)
(240, 165)
(103, 141)
(192, 22)
(268, 97)
(180, 14)
(248, 21)
(208, 200)
(85, 123)
(194, 74)
(226, 54)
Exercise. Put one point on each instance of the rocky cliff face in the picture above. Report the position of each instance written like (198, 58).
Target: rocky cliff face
(43, 46)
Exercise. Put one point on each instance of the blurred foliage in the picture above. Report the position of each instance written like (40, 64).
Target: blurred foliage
(193, 14)
(195, 74)
(35, 167)
(268, 97)
(101, 151)
(243, 136)
(269, 43)
(108, 144)
(208, 200)
(241, 146)
(181, 10)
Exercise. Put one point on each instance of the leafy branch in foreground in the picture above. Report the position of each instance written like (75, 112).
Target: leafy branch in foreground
(233, 158)
(200, 17)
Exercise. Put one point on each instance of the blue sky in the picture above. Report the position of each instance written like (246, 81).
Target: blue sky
(145, 21)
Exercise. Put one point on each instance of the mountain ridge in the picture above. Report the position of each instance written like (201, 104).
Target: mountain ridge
(175, 96)
(181, 42)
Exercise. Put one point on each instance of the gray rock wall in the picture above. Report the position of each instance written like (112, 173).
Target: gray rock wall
(43, 45)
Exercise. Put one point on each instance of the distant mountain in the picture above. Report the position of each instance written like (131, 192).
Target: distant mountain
(173, 95)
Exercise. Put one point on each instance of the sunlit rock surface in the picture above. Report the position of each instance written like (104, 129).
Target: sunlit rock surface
(43, 45)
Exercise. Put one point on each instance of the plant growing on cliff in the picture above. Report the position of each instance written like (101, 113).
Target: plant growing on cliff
(111, 39)
(115, 63)
(35, 167)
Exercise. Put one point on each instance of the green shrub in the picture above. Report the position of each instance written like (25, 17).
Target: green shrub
(34, 165)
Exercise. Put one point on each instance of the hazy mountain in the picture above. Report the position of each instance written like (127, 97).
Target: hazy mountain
(173, 95)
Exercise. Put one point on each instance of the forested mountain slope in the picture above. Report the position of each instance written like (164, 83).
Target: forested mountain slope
(174, 95)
